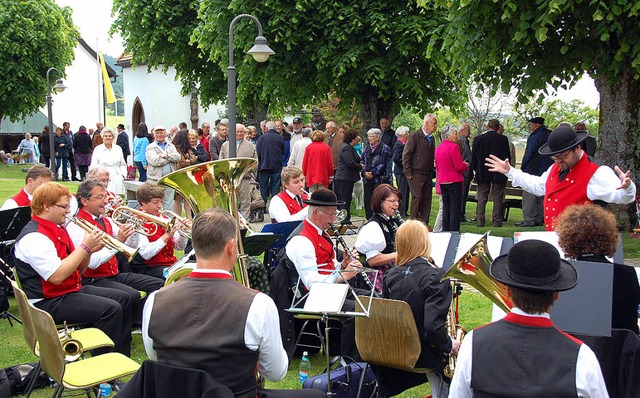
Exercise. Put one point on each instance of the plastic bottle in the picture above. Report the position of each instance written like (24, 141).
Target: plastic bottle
(305, 367)
(105, 390)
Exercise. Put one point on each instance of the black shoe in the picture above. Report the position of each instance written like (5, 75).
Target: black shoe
(525, 224)
(464, 219)
(539, 224)
(65, 179)
(117, 385)
(74, 179)
(497, 224)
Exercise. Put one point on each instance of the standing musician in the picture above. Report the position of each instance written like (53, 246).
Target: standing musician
(376, 239)
(103, 265)
(36, 176)
(314, 258)
(50, 268)
(417, 280)
(229, 338)
(524, 354)
(289, 204)
(155, 252)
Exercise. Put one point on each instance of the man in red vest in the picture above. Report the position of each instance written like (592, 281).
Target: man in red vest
(103, 266)
(50, 268)
(289, 204)
(36, 176)
(572, 179)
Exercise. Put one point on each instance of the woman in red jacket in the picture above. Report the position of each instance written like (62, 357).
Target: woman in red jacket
(317, 163)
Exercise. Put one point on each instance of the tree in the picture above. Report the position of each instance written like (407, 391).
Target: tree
(483, 104)
(370, 53)
(528, 43)
(36, 36)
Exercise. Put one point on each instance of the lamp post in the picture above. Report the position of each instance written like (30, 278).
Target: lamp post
(58, 87)
(260, 52)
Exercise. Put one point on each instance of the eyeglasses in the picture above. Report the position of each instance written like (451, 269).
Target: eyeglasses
(392, 200)
(332, 215)
(99, 197)
(67, 207)
(562, 155)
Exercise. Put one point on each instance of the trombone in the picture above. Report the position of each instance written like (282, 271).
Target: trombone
(109, 241)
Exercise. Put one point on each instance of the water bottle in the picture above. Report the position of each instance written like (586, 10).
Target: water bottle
(305, 367)
(105, 390)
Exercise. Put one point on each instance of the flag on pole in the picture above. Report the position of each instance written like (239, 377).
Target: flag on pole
(111, 98)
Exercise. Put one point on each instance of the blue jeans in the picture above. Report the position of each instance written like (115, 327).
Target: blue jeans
(65, 163)
(269, 183)
(142, 173)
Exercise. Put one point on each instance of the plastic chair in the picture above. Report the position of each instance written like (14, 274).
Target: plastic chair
(90, 338)
(82, 374)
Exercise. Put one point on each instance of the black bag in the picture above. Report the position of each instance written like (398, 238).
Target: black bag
(15, 379)
(345, 381)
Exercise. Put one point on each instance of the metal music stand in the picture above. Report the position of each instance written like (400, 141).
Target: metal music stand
(11, 223)
(297, 307)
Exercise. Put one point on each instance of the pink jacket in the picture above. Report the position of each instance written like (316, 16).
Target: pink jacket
(449, 164)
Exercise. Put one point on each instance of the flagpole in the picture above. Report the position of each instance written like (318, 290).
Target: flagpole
(100, 93)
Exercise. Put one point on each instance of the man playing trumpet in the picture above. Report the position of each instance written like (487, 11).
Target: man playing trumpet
(50, 267)
(103, 266)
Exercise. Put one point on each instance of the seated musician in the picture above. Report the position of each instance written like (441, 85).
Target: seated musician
(36, 176)
(103, 265)
(222, 327)
(590, 233)
(289, 204)
(155, 252)
(101, 174)
(50, 268)
(524, 354)
(377, 238)
(314, 258)
(416, 280)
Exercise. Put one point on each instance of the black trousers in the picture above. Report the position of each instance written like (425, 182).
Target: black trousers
(466, 184)
(131, 284)
(369, 187)
(403, 187)
(451, 197)
(106, 309)
(72, 167)
(344, 192)
(157, 271)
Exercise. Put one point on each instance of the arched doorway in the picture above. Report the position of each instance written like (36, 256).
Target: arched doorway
(137, 115)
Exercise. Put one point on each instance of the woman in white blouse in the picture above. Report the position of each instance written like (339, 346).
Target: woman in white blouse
(109, 155)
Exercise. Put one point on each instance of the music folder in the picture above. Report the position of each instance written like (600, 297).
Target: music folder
(258, 243)
(326, 297)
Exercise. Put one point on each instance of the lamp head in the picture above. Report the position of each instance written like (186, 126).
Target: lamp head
(260, 51)
(59, 86)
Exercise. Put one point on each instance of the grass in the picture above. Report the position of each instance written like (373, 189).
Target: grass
(475, 309)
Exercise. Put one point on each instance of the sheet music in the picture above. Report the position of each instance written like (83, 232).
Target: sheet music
(439, 244)
(467, 240)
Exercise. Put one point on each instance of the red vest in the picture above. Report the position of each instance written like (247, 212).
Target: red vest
(571, 190)
(33, 284)
(22, 199)
(292, 205)
(324, 249)
(110, 267)
(165, 257)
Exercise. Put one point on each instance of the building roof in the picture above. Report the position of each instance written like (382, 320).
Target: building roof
(31, 124)
(112, 73)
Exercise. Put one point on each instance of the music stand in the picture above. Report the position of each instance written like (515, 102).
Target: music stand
(11, 223)
(283, 230)
(299, 300)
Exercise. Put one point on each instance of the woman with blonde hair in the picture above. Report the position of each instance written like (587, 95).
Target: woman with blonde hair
(417, 280)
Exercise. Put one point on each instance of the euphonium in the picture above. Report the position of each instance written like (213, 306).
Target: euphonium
(142, 222)
(455, 331)
(182, 223)
(109, 241)
(212, 184)
(72, 348)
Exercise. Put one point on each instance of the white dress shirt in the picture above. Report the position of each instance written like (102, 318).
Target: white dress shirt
(589, 380)
(261, 333)
(279, 211)
(370, 240)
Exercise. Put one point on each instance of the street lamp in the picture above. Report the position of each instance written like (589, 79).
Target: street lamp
(58, 88)
(260, 52)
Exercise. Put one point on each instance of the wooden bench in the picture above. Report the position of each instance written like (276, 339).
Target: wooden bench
(130, 188)
(512, 198)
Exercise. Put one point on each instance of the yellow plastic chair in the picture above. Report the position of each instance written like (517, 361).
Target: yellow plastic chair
(79, 375)
(90, 338)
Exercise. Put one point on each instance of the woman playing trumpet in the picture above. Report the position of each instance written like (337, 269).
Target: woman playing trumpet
(416, 280)
(376, 239)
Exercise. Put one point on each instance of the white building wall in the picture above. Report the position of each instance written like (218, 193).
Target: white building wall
(160, 96)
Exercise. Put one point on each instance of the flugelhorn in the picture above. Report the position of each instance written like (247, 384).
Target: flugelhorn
(115, 201)
(142, 222)
(183, 224)
(109, 241)
(72, 348)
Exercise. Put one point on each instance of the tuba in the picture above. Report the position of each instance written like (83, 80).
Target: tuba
(214, 184)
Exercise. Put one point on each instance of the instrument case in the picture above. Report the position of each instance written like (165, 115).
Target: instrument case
(345, 381)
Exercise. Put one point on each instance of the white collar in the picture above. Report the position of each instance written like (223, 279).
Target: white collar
(518, 311)
(320, 231)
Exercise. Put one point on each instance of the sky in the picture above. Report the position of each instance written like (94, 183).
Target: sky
(93, 19)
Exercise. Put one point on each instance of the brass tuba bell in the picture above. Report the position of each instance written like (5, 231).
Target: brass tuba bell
(214, 184)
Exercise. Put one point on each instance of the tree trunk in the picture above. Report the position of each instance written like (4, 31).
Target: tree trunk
(193, 104)
(618, 143)
(372, 108)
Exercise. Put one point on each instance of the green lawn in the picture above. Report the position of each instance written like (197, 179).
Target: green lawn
(475, 309)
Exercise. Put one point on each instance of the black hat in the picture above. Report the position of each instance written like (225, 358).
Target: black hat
(534, 265)
(121, 126)
(537, 120)
(297, 120)
(562, 139)
(323, 197)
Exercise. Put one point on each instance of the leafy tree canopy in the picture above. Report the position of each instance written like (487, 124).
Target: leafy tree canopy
(36, 35)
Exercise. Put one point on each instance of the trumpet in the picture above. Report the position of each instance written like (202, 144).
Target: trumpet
(182, 223)
(72, 348)
(143, 223)
(109, 241)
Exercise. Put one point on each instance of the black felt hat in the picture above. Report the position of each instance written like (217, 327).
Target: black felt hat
(323, 197)
(562, 139)
(537, 120)
(534, 265)
(297, 120)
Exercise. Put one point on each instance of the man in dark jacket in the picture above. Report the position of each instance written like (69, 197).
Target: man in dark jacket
(536, 164)
(123, 141)
(270, 150)
(396, 154)
(489, 143)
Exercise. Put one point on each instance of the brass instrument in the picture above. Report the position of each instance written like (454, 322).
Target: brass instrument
(454, 329)
(115, 201)
(182, 223)
(212, 184)
(144, 223)
(109, 241)
(72, 348)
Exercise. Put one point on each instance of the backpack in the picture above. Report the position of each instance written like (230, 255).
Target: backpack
(15, 379)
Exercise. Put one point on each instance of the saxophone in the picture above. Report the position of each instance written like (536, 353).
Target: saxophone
(455, 331)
